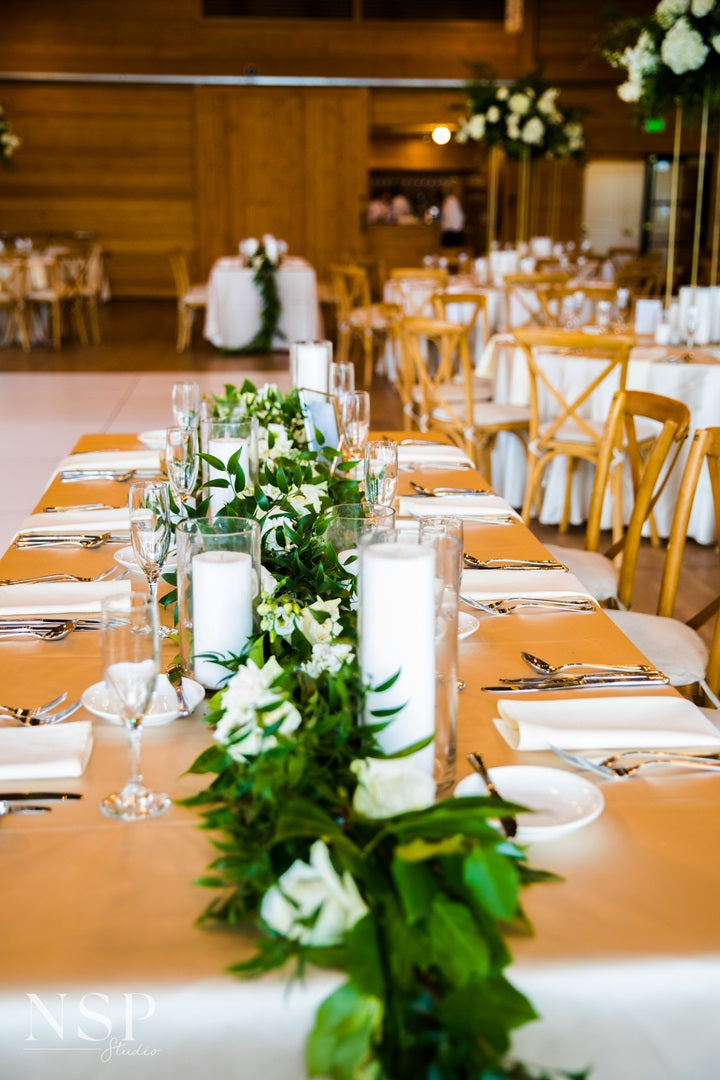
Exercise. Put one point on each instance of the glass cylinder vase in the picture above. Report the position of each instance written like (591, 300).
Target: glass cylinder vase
(310, 365)
(223, 440)
(218, 574)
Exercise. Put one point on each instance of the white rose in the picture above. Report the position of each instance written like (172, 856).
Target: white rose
(308, 496)
(629, 91)
(683, 49)
(249, 247)
(533, 131)
(327, 657)
(389, 787)
(715, 42)
(268, 583)
(271, 247)
(493, 114)
(502, 93)
(316, 630)
(476, 127)
(701, 7)
(668, 11)
(519, 104)
(313, 892)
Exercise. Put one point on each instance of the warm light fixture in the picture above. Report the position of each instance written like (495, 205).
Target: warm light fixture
(441, 135)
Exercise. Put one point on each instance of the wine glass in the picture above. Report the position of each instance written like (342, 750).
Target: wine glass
(381, 471)
(355, 417)
(131, 664)
(182, 461)
(342, 378)
(150, 529)
(186, 404)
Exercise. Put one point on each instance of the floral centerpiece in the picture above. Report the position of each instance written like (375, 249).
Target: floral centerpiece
(9, 142)
(669, 58)
(264, 257)
(342, 857)
(523, 118)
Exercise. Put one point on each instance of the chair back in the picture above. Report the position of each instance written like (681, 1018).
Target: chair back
(430, 358)
(641, 441)
(467, 309)
(425, 273)
(523, 306)
(12, 280)
(181, 275)
(351, 287)
(573, 305)
(643, 276)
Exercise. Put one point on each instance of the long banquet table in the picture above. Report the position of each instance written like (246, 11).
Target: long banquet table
(104, 972)
(233, 305)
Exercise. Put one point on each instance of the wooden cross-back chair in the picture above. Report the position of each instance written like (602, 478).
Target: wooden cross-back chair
(553, 299)
(567, 414)
(190, 299)
(643, 435)
(522, 303)
(673, 646)
(12, 299)
(432, 360)
(358, 319)
(469, 310)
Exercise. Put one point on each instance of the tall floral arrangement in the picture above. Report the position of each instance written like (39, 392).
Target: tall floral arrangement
(341, 857)
(672, 57)
(523, 118)
(9, 142)
(264, 257)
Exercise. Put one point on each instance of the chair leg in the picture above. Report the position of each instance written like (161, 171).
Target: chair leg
(368, 351)
(56, 327)
(536, 468)
(569, 477)
(181, 328)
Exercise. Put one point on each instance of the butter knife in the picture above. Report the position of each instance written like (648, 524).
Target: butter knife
(578, 682)
(54, 796)
(512, 564)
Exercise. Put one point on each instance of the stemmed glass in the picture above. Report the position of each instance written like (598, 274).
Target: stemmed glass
(381, 471)
(342, 378)
(131, 665)
(186, 404)
(150, 529)
(355, 417)
(182, 461)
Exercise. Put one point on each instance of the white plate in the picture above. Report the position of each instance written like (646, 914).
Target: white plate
(163, 707)
(126, 557)
(467, 625)
(561, 801)
(155, 439)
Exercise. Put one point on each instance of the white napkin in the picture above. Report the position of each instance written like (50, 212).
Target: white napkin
(45, 752)
(417, 453)
(465, 506)
(111, 459)
(604, 723)
(79, 521)
(59, 597)
(499, 584)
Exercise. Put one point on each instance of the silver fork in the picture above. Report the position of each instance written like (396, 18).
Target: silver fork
(33, 718)
(39, 709)
(49, 633)
(113, 573)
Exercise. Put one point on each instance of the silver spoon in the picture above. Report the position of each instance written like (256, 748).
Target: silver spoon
(52, 633)
(545, 668)
(27, 808)
(435, 492)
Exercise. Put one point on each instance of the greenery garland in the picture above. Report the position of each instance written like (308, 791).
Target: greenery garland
(342, 858)
(263, 257)
(9, 142)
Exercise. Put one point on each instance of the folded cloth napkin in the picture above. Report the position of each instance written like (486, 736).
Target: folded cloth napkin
(77, 521)
(111, 459)
(500, 584)
(45, 752)
(59, 597)
(418, 453)
(649, 353)
(606, 723)
(466, 506)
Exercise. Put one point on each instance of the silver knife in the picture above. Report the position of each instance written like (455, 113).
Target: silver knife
(578, 682)
(80, 507)
(54, 796)
(512, 564)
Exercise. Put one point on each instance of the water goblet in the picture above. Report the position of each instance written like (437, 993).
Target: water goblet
(381, 471)
(186, 404)
(691, 325)
(131, 664)
(342, 378)
(355, 418)
(182, 461)
(150, 529)
(603, 311)
(448, 525)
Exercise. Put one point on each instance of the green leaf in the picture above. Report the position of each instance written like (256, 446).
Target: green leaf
(347, 1025)
(416, 886)
(486, 1009)
(362, 959)
(457, 946)
(493, 881)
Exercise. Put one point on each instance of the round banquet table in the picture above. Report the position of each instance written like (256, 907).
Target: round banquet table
(232, 317)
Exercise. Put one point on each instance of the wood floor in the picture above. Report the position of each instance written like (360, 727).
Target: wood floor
(139, 336)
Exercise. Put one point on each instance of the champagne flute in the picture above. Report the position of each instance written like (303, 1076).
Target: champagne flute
(131, 664)
(182, 461)
(150, 529)
(355, 417)
(186, 404)
(342, 378)
(381, 471)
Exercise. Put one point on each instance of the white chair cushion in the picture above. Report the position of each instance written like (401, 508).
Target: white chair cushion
(598, 574)
(669, 644)
(495, 412)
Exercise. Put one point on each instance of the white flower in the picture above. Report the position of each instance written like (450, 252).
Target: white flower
(462, 135)
(268, 583)
(476, 126)
(327, 657)
(308, 496)
(279, 616)
(243, 728)
(519, 103)
(546, 101)
(316, 630)
(271, 248)
(389, 787)
(668, 11)
(683, 48)
(313, 893)
(502, 93)
(641, 59)
(629, 91)
(249, 247)
(533, 131)
(715, 42)
(283, 445)
(701, 7)
(492, 115)
(513, 126)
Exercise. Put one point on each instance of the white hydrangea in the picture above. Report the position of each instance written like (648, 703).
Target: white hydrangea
(502, 93)
(533, 131)
(493, 114)
(668, 11)
(715, 42)
(683, 48)
(243, 728)
(308, 497)
(629, 91)
(519, 103)
(476, 127)
(701, 7)
(513, 126)
(546, 101)
(316, 630)
(389, 787)
(328, 657)
(641, 59)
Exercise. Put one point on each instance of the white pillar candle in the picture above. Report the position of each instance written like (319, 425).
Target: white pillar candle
(223, 448)
(310, 365)
(397, 633)
(222, 591)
